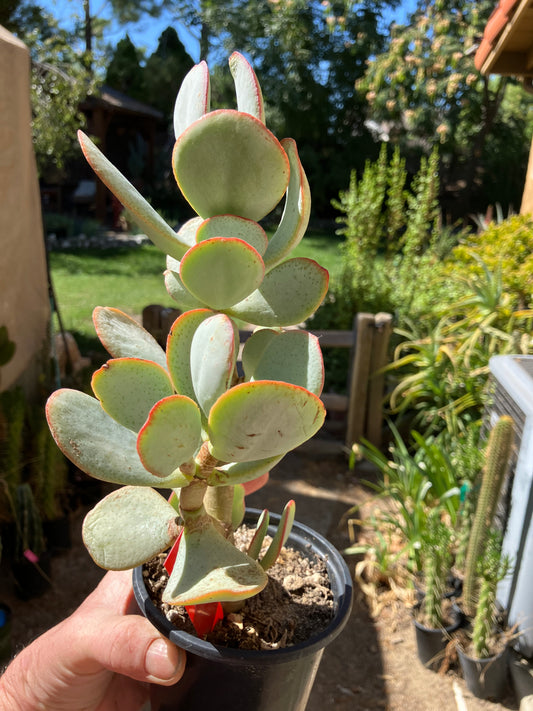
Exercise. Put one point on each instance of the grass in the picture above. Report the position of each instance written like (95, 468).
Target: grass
(131, 278)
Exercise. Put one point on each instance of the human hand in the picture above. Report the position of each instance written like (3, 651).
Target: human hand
(101, 658)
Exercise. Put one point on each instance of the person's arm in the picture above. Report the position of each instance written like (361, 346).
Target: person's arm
(98, 659)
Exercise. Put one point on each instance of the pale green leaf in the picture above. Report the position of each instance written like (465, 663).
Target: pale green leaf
(232, 226)
(171, 436)
(179, 349)
(128, 388)
(254, 348)
(227, 162)
(209, 568)
(129, 527)
(123, 337)
(213, 356)
(262, 419)
(247, 88)
(193, 98)
(288, 295)
(97, 444)
(142, 212)
(220, 272)
(296, 213)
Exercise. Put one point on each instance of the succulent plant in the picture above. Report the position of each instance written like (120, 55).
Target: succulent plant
(183, 419)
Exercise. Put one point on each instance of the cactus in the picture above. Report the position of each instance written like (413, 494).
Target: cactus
(437, 561)
(183, 419)
(12, 420)
(497, 457)
(28, 521)
(491, 569)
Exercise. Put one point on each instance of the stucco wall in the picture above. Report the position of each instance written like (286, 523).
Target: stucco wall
(24, 304)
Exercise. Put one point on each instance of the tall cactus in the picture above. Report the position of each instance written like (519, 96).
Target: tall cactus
(491, 569)
(497, 457)
(29, 525)
(437, 559)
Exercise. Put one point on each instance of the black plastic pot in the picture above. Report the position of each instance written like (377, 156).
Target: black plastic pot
(57, 534)
(431, 643)
(485, 678)
(521, 675)
(218, 678)
(5, 634)
(31, 579)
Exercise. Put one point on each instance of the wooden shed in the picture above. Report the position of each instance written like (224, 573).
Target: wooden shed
(507, 49)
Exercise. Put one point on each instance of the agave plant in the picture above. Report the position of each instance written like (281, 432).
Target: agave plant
(183, 419)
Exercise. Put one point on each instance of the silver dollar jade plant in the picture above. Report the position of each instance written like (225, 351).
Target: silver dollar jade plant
(183, 420)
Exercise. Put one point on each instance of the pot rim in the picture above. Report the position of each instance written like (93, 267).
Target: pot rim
(303, 538)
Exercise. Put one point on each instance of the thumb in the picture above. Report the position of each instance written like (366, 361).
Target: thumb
(131, 646)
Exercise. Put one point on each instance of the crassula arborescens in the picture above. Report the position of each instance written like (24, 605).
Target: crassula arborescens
(183, 419)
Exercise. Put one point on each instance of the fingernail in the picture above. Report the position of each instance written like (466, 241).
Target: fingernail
(163, 660)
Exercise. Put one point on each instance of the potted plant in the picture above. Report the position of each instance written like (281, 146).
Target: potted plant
(484, 661)
(435, 617)
(485, 667)
(185, 421)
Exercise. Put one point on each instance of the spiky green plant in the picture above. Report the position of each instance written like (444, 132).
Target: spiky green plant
(437, 561)
(183, 419)
(12, 419)
(497, 457)
(28, 522)
(491, 569)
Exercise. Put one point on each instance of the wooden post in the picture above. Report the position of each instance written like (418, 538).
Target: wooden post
(527, 195)
(358, 387)
(380, 345)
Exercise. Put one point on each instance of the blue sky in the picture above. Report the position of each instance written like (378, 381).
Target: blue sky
(145, 33)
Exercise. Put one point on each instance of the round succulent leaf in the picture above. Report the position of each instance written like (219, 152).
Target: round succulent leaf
(171, 436)
(179, 349)
(129, 527)
(220, 272)
(228, 162)
(242, 472)
(296, 212)
(123, 337)
(209, 568)
(97, 444)
(176, 289)
(214, 349)
(187, 232)
(288, 295)
(247, 88)
(193, 98)
(128, 388)
(262, 419)
(293, 357)
(233, 226)
(161, 234)
(253, 350)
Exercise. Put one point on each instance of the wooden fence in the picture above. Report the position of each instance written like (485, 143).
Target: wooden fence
(361, 409)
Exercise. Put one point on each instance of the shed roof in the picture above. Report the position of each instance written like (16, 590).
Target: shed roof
(507, 44)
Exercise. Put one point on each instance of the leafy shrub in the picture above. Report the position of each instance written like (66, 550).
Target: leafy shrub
(505, 247)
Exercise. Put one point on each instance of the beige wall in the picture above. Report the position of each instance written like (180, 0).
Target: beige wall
(24, 306)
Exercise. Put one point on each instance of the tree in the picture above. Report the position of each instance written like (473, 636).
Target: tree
(60, 79)
(425, 87)
(124, 72)
(165, 70)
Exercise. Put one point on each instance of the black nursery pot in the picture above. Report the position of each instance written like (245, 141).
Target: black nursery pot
(521, 675)
(485, 678)
(431, 643)
(219, 678)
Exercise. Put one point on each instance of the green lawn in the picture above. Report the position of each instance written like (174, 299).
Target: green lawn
(131, 278)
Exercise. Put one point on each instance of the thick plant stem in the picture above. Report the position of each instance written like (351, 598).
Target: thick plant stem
(496, 462)
(482, 628)
(219, 504)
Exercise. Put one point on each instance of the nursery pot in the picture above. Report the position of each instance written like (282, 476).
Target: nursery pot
(5, 633)
(219, 678)
(485, 678)
(521, 675)
(431, 643)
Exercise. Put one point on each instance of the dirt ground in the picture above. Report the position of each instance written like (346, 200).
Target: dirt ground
(371, 665)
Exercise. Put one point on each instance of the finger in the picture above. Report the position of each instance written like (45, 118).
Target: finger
(130, 646)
